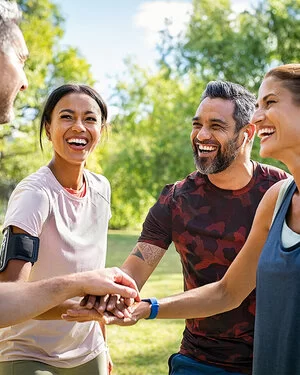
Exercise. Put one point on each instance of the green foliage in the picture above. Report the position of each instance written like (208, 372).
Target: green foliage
(239, 47)
(283, 22)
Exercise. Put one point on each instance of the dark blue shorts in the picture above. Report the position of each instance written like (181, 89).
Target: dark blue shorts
(181, 365)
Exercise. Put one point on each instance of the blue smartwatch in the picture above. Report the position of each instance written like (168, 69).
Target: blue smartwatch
(154, 307)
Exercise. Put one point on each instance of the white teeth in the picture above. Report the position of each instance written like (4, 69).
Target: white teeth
(77, 140)
(265, 131)
(206, 148)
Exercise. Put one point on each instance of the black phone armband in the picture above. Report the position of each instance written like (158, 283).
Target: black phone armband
(18, 246)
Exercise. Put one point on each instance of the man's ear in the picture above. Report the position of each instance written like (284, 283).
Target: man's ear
(250, 132)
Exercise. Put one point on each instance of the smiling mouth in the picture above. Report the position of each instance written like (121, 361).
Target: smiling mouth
(206, 149)
(265, 133)
(77, 142)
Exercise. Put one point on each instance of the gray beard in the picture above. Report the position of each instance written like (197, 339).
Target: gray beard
(221, 162)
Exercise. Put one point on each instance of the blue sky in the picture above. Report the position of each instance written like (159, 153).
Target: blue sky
(108, 31)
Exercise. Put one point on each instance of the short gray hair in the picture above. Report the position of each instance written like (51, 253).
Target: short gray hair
(244, 101)
(10, 14)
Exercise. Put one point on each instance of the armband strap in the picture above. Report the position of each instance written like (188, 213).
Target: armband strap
(18, 246)
(154, 307)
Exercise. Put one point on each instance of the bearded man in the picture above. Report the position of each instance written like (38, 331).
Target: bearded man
(208, 217)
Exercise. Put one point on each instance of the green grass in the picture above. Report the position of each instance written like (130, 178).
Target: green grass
(144, 349)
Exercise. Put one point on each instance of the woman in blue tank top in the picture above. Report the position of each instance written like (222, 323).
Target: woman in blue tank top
(270, 259)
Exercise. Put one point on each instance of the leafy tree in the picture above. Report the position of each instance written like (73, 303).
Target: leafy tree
(239, 47)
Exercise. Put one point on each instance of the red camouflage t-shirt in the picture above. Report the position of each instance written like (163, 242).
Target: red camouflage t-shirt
(209, 226)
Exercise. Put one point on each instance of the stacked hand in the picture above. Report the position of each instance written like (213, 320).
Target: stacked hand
(124, 308)
(108, 280)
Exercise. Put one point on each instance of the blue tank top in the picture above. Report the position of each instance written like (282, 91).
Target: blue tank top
(277, 321)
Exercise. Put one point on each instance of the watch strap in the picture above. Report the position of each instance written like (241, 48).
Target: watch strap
(154, 307)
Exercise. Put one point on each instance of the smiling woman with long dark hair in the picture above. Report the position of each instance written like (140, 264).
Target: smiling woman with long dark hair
(63, 209)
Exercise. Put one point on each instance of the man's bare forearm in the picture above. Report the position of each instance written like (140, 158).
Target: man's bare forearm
(142, 261)
(150, 254)
(20, 301)
(24, 300)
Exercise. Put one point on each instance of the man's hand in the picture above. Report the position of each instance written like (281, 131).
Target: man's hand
(107, 281)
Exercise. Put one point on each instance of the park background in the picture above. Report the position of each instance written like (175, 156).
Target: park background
(152, 93)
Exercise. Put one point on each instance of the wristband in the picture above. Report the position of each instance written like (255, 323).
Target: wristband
(154, 307)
